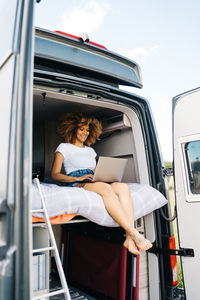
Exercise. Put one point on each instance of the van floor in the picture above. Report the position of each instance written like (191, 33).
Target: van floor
(75, 293)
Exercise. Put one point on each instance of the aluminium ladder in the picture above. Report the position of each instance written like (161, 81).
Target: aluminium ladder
(65, 289)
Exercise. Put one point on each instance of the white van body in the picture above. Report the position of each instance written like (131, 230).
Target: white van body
(186, 153)
(65, 81)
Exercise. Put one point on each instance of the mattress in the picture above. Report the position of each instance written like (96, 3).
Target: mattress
(61, 200)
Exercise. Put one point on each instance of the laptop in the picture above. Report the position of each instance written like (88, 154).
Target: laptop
(109, 169)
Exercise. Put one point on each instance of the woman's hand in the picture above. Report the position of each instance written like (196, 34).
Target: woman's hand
(87, 177)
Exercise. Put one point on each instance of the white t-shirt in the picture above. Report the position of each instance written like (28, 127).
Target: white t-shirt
(77, 158)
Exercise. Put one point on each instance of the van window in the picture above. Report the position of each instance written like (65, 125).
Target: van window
(192, 151)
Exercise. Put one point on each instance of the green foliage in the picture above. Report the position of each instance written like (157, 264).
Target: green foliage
(168, 164)
(174, 225)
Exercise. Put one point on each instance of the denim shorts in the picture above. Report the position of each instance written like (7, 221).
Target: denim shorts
(78, 173)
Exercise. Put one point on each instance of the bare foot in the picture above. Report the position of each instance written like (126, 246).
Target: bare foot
(131, 246)
(142, 243)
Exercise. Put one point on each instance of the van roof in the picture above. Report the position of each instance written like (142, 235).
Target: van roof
(54, 50)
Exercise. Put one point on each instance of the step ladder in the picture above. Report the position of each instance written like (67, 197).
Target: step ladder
(64, 290)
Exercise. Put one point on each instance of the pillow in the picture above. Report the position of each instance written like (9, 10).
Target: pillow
(145, 199)
(67, 200)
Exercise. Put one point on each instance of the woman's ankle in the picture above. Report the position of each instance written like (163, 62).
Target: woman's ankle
(131, 231)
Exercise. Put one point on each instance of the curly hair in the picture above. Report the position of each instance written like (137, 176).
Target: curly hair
(72, 121)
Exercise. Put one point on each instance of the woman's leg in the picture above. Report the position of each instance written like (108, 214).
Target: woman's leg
(116, 210)
(112, 204)
(123, 192)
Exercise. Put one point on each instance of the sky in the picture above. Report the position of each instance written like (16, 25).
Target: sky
(161, 36)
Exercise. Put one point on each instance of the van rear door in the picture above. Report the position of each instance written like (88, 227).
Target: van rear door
(16, 60)
(60, 53)
(186, 139)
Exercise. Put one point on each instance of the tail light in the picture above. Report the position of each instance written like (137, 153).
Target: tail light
(173, 258)
(79, 38)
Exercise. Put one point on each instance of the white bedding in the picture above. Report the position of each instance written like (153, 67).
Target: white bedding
(66, 200)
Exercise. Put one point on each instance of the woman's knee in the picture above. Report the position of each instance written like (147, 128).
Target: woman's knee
(120, 187)
(104, 188)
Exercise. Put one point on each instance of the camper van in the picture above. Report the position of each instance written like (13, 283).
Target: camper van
(44, 74)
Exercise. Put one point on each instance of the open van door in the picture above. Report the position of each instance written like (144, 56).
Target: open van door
(16, 65)
(186, 126)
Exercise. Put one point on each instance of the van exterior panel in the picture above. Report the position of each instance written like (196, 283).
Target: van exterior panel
(103, 62)
(186, 126)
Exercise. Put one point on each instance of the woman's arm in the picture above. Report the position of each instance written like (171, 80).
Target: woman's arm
(56, 171)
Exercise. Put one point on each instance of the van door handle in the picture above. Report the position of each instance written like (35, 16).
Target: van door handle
(189, 252)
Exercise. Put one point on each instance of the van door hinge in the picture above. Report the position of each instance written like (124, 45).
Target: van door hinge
(167, 172)
(179, 252)
(4, 221)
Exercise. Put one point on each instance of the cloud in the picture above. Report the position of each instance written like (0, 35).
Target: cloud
(86, 17)
(154, 49)
(45, 26)
(140, 54)
(137, 53)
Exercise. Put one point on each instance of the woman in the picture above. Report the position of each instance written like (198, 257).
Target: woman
(79, 160)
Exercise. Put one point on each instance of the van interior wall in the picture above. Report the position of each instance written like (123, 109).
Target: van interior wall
(46, 116)
(119, 144)
(46, 139)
